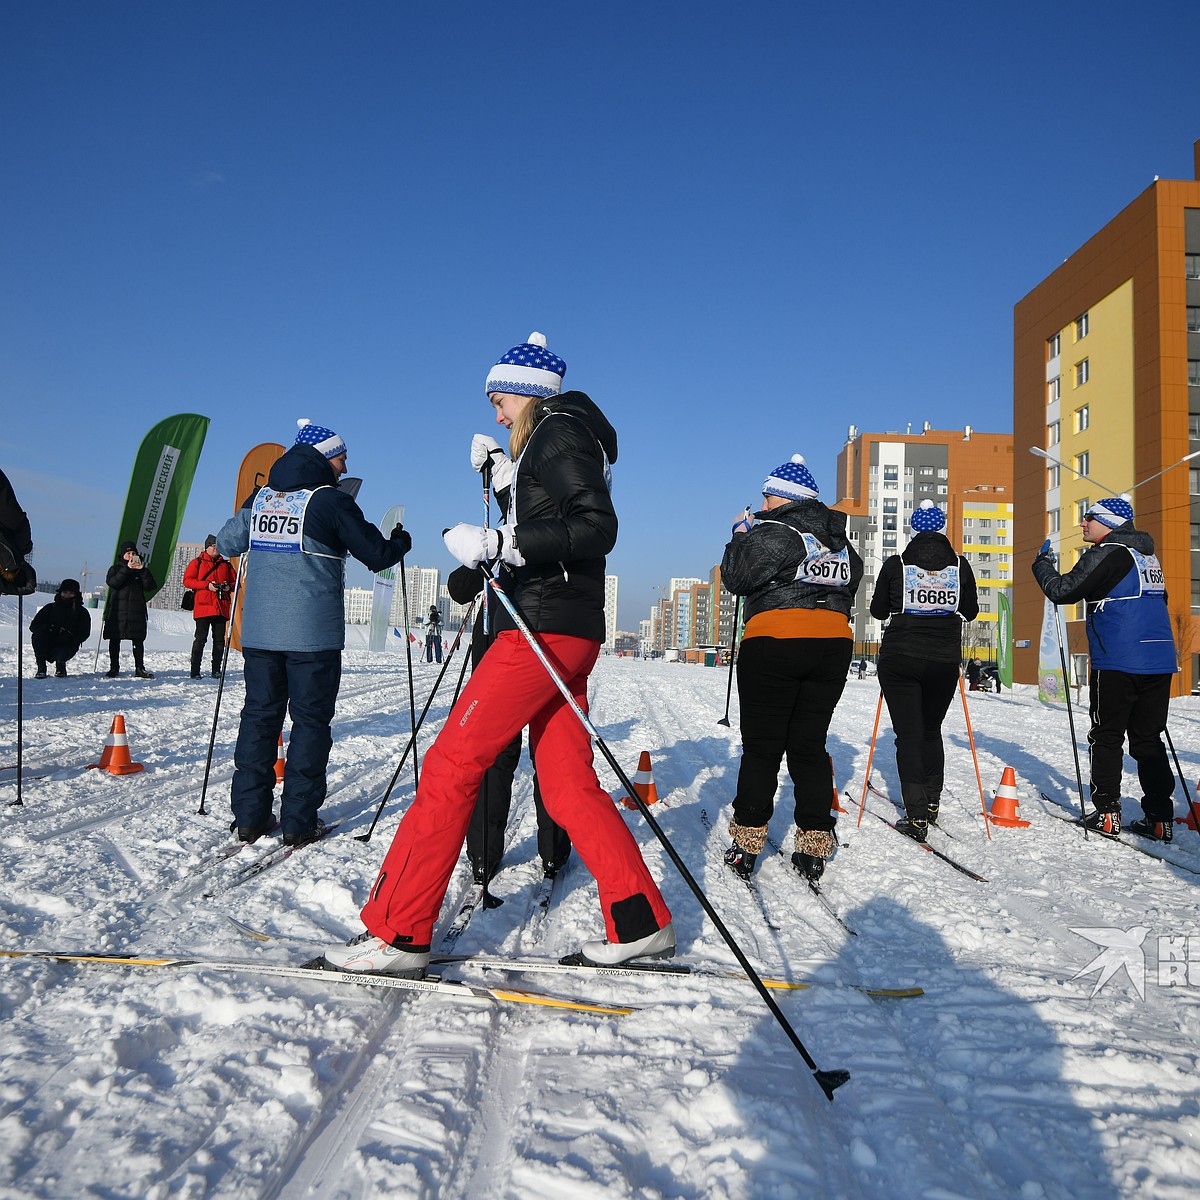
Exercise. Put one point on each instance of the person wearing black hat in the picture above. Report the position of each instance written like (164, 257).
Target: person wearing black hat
(59, 628)
(210, 578)
(924, 593)
(129, 580)
(433, 634)
(1132, 653)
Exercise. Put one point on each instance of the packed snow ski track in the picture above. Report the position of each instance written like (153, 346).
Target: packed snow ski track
(1017, 1072)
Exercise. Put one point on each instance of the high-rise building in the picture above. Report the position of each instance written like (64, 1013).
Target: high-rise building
(882, 477)
(358, 605)
(170, 595)
(1106, 380)
(610, 611)
(422, 584)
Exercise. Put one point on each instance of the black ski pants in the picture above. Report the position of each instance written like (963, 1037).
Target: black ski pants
(1121, 704)
(918, 693)
(490, 818)
(787, 691)
(203, 625)
(52, 647)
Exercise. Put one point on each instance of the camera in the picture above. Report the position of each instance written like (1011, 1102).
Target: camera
(222, 589)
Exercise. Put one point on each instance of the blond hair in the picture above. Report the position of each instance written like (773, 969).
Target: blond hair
(522, 429)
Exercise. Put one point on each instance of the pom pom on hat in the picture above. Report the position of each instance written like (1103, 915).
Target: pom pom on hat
(1113, 511)
(792, 480)
(323, 440)
(527, 370)
(928, 518)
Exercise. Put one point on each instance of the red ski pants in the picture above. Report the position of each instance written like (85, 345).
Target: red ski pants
(509, 689)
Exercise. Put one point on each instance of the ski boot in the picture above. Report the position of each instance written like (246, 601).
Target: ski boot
(368, 953)
(302, 839)
(935, 808)
(812, 847)
(748, 843)
(659, 944)
(1147, 827)
(914, 828)
(1106, 821)
(739, 861)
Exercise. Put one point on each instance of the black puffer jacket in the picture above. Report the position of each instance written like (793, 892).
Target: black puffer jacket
(934, 638)
(761, 565)
(125, 612)
(564, 519)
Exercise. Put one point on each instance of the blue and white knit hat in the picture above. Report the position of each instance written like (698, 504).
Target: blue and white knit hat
(928, 518)
(792, 480)
(319, 438)
(1114, 511)
(528, 370)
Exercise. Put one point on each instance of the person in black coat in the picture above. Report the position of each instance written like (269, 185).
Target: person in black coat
(59, 628)
(433, 634)
(798, 573)
(129, 580)
(925, 594)
(17, 577)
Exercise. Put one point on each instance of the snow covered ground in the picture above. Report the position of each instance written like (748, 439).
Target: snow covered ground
(1017, 1073)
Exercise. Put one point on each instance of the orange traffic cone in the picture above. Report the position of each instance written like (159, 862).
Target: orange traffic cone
(1190, 819)
(837, 805)
(279, 763)
(114, 758)
(1004, 806)
(643, 783)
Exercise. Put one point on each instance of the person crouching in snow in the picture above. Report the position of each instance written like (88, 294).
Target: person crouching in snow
(59, 628)
(560, 526)
(798, 574)
(927, 591)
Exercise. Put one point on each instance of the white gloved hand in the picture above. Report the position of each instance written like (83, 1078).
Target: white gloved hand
(744, 521)
(472, 544)
(486, 450)
(508, 546)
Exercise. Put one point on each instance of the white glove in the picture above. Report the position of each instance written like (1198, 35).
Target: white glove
(508, 546)
(743, 522)
(486, 449)
(472, 544)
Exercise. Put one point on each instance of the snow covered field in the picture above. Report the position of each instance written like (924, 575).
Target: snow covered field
(1014, 1075)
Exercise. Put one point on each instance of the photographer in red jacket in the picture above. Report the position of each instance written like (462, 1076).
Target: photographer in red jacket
(211, 578)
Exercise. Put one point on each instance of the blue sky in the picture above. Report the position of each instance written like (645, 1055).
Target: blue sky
(742, 227)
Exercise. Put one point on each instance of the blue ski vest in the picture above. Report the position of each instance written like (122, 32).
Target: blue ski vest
(1130, 629)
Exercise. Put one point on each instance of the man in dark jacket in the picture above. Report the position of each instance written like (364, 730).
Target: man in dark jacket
(299, 530)
(17, 577)
(59, 628)
(129, 582)
(433, 634)
(1132, 654)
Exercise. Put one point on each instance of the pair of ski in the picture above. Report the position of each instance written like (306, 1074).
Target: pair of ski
(1054, 810)
(923, 845)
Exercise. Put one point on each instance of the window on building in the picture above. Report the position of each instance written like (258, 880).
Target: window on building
(1194, 481)
(1195, 537)
(1054, 344)
(1083, 463)
(889, 522)
(943, 473)
(1053, 433)
(984, 539)
(1081, 326)
(889, 504)
(968, 522)
(985, 606)
(983, 558)
(943, 489)
(892, 473)
(1083, 418)
(1193, 318)
(1193, 373)
(1193, 427)
(1053, 519)
(889, 541)
(1191, 267)
(1081, 507)
(1054, 390)
(1052, 476)
(985, 523)
(1196, 595)
(927, 472)
(1083, 372)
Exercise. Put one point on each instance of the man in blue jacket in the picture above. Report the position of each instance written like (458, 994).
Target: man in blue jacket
(298, 530)
(1132, 655)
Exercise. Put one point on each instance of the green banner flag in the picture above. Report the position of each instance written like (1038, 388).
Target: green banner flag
(158, 490)
(1004, 638)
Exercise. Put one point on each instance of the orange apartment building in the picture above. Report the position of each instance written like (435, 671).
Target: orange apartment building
(882, 477)
(1106, 380)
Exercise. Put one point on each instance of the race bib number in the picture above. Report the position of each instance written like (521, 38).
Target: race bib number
(277, 521)
(931, 593)
(822, 566)
(1150, 573)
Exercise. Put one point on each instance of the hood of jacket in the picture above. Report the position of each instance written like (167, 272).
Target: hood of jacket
(1129, 535)
(301, 467)
(811, 516)
(930, 551)
(580, 406)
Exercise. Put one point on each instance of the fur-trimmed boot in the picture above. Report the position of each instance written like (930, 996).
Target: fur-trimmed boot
(812, 848)
(748, 843)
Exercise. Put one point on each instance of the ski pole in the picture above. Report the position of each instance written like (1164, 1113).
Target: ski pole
(828, 1081)
(412, 703)
(1179, 772)
(737, 604)
(862, 804)
(212, 735)
(962, 691)
(486, 474)
(19, 801)
(366, 837)
(1062, 658)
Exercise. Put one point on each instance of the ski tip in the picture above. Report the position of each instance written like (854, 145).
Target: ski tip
(830, 1081)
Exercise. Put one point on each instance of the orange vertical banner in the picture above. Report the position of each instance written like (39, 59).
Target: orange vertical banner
(255, 468)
